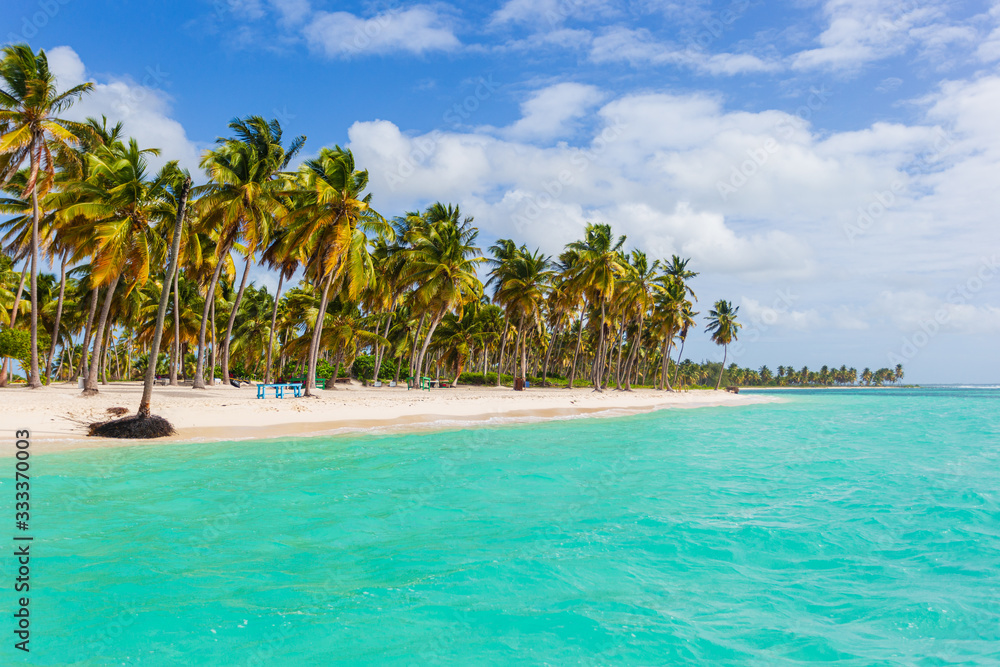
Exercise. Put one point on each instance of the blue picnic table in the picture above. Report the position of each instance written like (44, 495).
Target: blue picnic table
(279, 389)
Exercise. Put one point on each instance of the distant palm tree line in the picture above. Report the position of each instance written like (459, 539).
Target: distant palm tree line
(404, 292)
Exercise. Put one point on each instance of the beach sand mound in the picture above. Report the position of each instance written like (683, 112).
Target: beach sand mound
(133, 427)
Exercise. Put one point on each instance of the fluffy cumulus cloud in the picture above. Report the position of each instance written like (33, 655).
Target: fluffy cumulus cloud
(418, 29)
(862, 31)
(550, 112)
(142, 106)
(838, 218)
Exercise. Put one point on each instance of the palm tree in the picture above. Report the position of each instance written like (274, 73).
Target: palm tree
(279, 255)
(641, 288)
(124, 205)
(172, 264)
(723, 326)
(442, 264)
(599, 266)
(29, 102)
(521, 290)
(332, 207)
(457, 335)
(686, 322)
(678, 269)
(243, 199)
(669, 310)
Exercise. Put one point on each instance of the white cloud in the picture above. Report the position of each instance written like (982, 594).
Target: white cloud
(550, 12)
(292, 12)
(863, 31)
(419, 29)
(143, 107)
(638, 47)
(757, 314)
(916, 310)
(650, 164)
(550, 112)
(989, 48)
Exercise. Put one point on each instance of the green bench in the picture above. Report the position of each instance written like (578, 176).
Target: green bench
(320, 382)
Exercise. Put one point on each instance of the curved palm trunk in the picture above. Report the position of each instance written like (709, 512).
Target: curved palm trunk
(677, 364)
(597, 371)
(519, 353)
(317, 334)
(413, 352)
(274, 318)
(459, 367)
(503, 345)
(199, 373)
(87, 332)
(548, 353)
(379, 348)
(633, 354)
(232, 320)
(618, 361)
(147, 385)
(34, 381)
(576, 353)
(427, 341)
(665, 371)
(336, 369)
(90, 386)
(55, 326)
(13, 319)
(725, 353)
(175, 350)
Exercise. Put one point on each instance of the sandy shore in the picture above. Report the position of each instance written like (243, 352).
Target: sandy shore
(57, 416)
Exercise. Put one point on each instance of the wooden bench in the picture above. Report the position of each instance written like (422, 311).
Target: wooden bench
(279, 389)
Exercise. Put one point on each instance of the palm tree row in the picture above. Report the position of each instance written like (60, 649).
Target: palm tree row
(146, 259)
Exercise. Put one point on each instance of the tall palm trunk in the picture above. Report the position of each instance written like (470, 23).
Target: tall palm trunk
(427, 341)
(232, 320)
(618, 361)
(213, 349)
(55, 327)
(34, 381)
(576, 353)
(199, 373)
(597, 370)
(175, 246)
(680, 353)
(725, 353)
(665, 375)
(548, 353)
(175, 350)
(413, 351)
(503, 344)
(317, 334)
(13, 319)
(270, 338)
(519, 353)
(88, 330)
(379, 348)
(90, 386)
(633, 353)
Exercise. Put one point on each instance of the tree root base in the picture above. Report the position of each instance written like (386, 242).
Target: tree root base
(133, 427)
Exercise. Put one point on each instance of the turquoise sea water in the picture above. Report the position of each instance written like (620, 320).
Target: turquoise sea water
(843, 527)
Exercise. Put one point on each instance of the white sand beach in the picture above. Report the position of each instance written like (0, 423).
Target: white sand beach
(57, 416)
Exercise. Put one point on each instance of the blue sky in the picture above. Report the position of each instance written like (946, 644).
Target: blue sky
(830, 166)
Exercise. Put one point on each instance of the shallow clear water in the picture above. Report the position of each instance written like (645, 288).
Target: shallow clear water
(851, 527)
